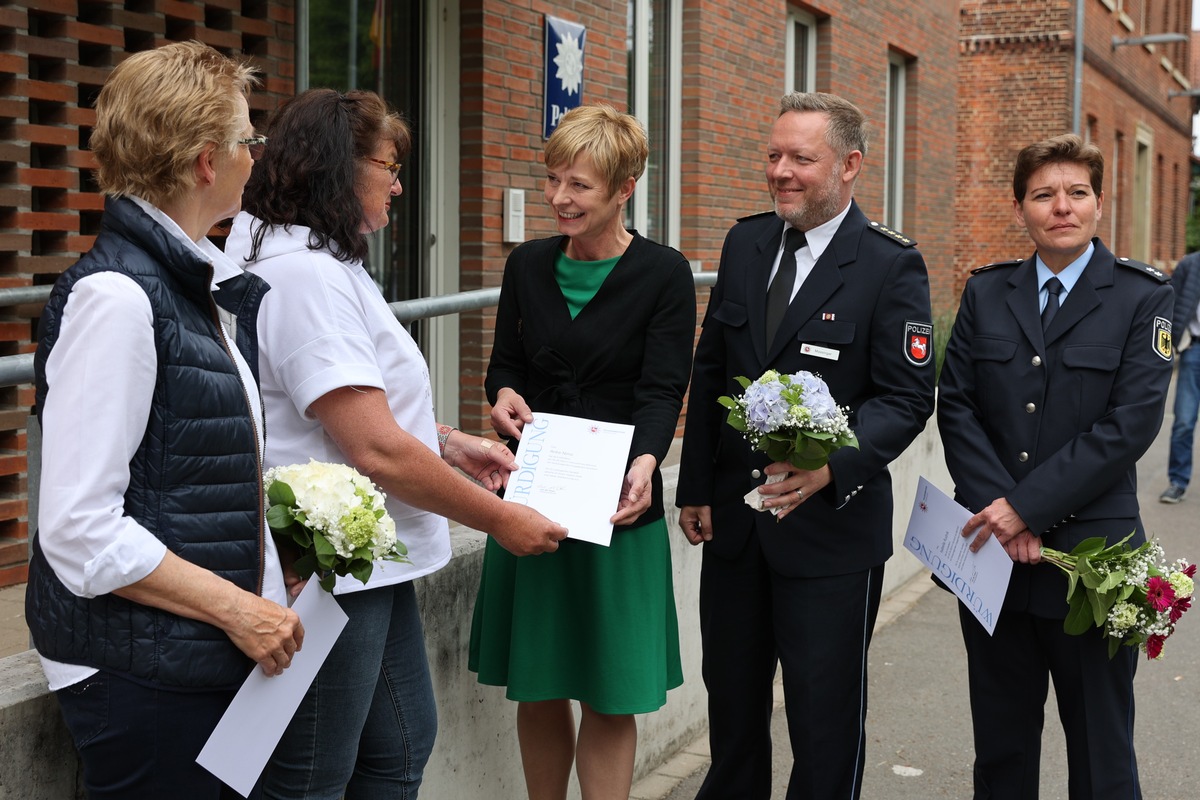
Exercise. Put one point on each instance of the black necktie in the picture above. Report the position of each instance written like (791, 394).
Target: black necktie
(1053, 287)
(779, 295)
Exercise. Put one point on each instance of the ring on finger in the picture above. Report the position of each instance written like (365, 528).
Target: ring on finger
(800, 493)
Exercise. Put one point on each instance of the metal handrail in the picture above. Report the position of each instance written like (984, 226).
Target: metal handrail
(18, 369)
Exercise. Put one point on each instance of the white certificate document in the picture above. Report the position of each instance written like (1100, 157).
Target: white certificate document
(935, 537)
(571, 471)
(244, 739)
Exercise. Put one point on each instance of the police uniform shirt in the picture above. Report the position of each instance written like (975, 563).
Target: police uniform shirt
(1068, 277)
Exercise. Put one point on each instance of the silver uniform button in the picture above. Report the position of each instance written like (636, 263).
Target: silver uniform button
(754, 473)
(1030, 408)
(1037, 361)
(1022, 456)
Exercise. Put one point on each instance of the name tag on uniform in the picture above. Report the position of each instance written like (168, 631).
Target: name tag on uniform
(820, 352)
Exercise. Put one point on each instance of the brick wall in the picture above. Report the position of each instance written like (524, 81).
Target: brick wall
(733, 74)
(1016, 85)
(54, 57)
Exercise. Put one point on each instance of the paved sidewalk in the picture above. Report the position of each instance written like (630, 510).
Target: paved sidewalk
(919, 743)
(14, 636)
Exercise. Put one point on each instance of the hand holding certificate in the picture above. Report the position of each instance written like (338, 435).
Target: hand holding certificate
(571, 470)
(934, 536)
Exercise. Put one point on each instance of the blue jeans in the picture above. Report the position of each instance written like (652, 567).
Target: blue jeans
(140, 743)
(1187, 401)
(366, 726)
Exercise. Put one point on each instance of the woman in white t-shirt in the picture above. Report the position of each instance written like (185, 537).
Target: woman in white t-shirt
(343, 381)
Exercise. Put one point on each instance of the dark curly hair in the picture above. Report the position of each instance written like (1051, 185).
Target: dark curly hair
(309, 168)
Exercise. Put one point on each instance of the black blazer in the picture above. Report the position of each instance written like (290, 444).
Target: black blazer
(1056, 422)
(625, 358)
(864, 297)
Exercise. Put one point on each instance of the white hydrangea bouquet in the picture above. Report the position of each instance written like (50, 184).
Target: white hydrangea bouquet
(337, 518)
(1131, 594)
(791, 418)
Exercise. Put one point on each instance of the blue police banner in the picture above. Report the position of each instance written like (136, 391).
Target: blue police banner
(563, 75)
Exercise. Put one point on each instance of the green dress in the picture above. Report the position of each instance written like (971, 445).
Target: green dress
(590, 623)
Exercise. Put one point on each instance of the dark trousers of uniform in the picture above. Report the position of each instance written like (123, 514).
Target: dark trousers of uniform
(1009, 682)
(752, 618)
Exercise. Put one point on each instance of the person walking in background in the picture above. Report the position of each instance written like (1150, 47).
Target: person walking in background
(802, 588)
(597, 322)
(344, 382)
(1053, 386)
(154, 586)
(1185, 325)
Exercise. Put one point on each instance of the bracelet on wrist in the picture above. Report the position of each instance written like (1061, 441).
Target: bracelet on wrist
(443, 433)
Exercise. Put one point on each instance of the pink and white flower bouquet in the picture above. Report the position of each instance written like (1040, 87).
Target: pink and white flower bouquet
(1131, 594)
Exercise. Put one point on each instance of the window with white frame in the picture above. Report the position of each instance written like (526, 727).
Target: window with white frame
(653, 43)
(801, 52)
(893, 168)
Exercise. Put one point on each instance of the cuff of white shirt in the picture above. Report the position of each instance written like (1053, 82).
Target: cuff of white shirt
(119, 565)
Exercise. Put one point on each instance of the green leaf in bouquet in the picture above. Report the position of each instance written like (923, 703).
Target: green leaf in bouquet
(743, 381)
(305, 565)
(400, 548)
(1114, 580)
(736, 421)
(1079, 617)
(1089, 547)
(1088, 573)
(361, 568)
(1102, 603)
(1114, 644)
(322, 545)
(327, 581)
(301, 535)
(808, 463)
(280, 517)
(362, 553)
(777, 450)
(1072, 583)
(729, 403)
(279, 493)
(379, 512)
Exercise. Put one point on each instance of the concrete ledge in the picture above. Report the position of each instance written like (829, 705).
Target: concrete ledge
(477, 754)
(37, 759)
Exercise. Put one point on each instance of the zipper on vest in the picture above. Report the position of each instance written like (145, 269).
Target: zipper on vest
(262, 545)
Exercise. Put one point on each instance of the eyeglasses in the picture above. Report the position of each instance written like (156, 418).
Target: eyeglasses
(390, 166)
(255, 144)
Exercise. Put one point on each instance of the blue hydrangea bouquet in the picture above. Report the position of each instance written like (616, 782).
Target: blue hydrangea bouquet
(791, 418)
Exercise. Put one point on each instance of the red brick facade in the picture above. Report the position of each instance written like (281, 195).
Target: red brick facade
(1016, 85)
(733, 64)
(54, 57)
(982, 79)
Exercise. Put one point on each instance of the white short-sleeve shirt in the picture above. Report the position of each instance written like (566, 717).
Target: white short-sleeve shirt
(324, 325)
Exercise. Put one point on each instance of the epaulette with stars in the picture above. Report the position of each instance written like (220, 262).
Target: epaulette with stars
(895, 236)
(1153, 272)
(997, 264)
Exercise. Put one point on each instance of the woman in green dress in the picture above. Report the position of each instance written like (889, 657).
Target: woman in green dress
(597, 322)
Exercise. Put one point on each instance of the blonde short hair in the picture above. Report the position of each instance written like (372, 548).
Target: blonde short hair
(157, 111)
(615, 142)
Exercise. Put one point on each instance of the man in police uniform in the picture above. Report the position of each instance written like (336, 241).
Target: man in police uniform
(849, 300)
(1053, 386)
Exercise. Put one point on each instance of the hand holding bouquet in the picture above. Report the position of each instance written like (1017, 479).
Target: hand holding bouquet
(1130, 594)
(791, 418)
(337, 518)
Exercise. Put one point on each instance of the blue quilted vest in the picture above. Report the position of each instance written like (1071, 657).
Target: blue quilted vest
(195, 478)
